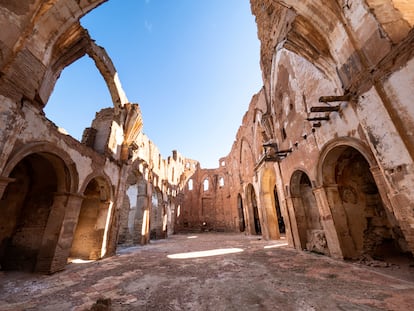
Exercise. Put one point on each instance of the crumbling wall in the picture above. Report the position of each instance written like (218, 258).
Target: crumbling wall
(339, 88)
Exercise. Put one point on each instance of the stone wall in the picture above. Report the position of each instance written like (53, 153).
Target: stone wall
(63, 198)
(328, 140)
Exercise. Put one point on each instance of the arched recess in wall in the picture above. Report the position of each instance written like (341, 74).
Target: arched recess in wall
(132, 210)
(269, 204)
(247, 161)
(311, 234)
(80, 88)
(157, 215)
(240, 210)
(254, 224)
(280, 220)
(364, 225)
(92, 230)
(33, 207)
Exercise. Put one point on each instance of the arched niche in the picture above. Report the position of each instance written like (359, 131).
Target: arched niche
(240, 211)
(91, 234)
(132, 211)
(365, 226)
(33, 208)
(311, 234)
(269, 203)
(157, 215)
(254, 224)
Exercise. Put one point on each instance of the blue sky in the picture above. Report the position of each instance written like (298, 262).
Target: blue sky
(191, 65)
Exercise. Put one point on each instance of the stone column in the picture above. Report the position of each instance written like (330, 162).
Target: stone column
(293, 223)
(340, 220)
(59, 231)
(328, 223)
(145, 233)
(284, 205)
(262, 211)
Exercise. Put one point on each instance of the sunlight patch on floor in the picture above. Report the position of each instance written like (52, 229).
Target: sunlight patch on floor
(78, 260)
(275, 245)
(199, 254)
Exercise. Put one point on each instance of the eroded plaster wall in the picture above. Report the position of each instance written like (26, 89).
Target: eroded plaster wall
(80, 192)
(337, 86)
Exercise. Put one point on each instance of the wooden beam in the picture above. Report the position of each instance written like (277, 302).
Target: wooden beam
(328, 99)
(325, 108)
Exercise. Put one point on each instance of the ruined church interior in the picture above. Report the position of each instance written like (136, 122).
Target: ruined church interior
(312, 208)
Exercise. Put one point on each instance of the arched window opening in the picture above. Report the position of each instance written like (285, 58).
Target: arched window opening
(82, 88)
(190, 184)
(221, 182)
(205, 185)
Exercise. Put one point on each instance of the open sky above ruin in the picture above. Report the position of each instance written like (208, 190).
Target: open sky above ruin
(193, 67)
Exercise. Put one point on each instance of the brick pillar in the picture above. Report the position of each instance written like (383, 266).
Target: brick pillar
(294, 230)
(328, 223)
(145, 233)
(59, 231)
(340, 220)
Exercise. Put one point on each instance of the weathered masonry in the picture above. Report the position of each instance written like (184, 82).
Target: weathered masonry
(324, 153)
(62, 199)
(325, 150)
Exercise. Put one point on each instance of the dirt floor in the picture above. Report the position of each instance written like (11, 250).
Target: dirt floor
(213, 272)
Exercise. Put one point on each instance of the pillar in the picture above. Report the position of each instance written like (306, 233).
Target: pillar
(59, 231)
(328, 223)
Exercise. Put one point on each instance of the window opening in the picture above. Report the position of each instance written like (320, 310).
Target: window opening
(82, 88)
(205, 184)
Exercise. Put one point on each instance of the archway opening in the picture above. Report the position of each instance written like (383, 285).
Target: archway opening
(242, 223)
(280, 221)
(80, 87)
(370, 229)
(26, 207)
(311, 235)
(268, 205)
(89, 238)
(158, 212)
(132, 211)
(256, 228)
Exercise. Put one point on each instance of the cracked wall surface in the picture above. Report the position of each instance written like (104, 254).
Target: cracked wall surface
(63, 199)
(324, 153)
(328, 140)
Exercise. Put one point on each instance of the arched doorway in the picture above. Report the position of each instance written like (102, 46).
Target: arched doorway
(132, 212)
(268, 204)
(254, 211)
(88, 241)
(366, 225)
(242, 223)
(311, 234)
(280, 221)
(26, 206)
(157, 215)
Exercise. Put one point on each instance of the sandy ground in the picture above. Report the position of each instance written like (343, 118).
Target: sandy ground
(213, 272)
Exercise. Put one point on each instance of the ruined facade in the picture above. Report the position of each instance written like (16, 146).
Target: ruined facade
(325, 150)
(324, 153)
(61, 198)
